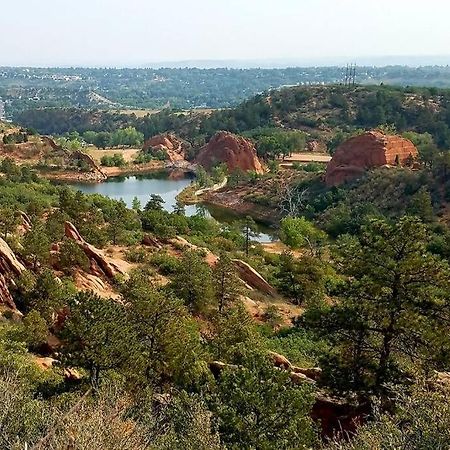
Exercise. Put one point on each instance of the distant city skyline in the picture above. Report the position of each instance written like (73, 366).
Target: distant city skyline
(242, 33)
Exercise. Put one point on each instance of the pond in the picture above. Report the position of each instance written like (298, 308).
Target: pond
(162, 184)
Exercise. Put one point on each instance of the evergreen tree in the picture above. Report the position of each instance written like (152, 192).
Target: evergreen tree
(168, 339)
(394, 307)
(136, 204)
(302, 280)
(421, 205)
(179, 208)
(193, 282)
(36, 246)
(257, 406)
(97, 335)
(71, 256)
(156, 203)
(226, 282)
(9, 221)
(249, 230)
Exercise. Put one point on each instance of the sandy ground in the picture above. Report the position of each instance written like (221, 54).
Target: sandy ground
(128, 153)
(278, 248)
(116, 254)
(305, 158)
(256, 308)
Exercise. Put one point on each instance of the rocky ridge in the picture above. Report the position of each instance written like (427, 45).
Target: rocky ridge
(100, 264)
(10, 267)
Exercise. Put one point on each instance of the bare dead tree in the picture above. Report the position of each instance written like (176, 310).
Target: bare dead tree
(292, 199)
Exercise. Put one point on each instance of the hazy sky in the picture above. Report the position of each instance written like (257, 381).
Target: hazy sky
(136, 32)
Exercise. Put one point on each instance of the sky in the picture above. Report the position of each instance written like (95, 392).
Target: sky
(141, 32)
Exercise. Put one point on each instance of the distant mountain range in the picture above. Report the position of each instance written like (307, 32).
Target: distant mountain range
(267, 63)
(377, 61)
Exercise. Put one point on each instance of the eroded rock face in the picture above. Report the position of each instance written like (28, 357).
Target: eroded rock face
(235, 151)
(46, 140)
(366, 151)
(253, 278)
(97, 172)
(173, 147)
(10, 268)
(96, 256)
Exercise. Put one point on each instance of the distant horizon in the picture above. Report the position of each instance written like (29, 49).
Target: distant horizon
(267, 63)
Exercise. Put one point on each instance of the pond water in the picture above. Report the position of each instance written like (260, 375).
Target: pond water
(142, 186)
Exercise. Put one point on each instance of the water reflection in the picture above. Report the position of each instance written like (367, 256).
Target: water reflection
(142, 186)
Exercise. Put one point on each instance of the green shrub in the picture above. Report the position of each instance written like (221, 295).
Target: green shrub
(302, 348)
(137, 255)
(72, 256)
(115, 160)
(166, 263)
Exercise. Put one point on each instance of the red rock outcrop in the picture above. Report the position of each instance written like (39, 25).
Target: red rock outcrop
(10, 267)
(97, 172)
(235, 151)
(253, 278)
(96, 256)
(366, 151)
(173, 147)
(48, 141)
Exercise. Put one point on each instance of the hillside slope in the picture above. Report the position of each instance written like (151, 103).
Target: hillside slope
(320, 111)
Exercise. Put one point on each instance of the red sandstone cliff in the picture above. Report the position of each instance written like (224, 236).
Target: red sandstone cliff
(169, 144)
(96, 256)
(368, 150)
(10, 268)
(235, 151)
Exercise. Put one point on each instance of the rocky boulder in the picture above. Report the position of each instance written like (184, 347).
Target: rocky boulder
(169, 144)
(97, 172)
(253, 278)
(96, 257)
(235, 151)
(10, 268)
(366, 151)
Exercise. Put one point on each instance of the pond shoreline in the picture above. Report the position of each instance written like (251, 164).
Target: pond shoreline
(72, 176)
(127, 187)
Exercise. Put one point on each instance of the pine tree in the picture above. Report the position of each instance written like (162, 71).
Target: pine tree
(193, 282)
(393, 307)
(36, 246)
(226, 282)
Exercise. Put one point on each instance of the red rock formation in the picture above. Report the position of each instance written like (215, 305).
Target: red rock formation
(89, 161)
(366, 151)
(253, 278)
(150, 241)
(10, 267)
(94, 254)
(46, 140)
(169, 144)
(338, 417)
(235, 151)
